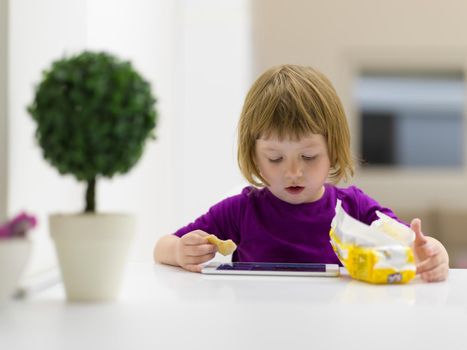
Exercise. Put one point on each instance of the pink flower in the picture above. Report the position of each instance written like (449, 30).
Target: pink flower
(18, 226)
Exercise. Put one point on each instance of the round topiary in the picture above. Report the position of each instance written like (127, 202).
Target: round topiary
(94, 113)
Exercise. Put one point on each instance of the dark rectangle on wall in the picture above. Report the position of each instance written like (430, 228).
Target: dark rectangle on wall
(378, 137)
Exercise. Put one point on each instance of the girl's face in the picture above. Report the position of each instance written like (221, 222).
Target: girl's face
(295, 170)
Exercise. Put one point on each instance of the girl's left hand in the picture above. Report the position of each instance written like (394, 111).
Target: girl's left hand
(431, 257)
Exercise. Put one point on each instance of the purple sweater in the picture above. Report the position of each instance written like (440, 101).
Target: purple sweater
(267, 229)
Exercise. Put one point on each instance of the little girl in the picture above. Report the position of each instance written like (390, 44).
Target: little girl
(293, 147)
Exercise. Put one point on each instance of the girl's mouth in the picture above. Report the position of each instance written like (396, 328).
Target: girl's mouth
(294, 189)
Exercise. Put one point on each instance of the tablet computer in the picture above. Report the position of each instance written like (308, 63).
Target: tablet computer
(271, 269)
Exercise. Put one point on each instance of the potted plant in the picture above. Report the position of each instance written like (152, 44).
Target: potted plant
(94, 114)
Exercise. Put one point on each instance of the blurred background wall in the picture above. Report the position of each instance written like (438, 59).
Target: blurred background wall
(344, 39)
(201, 56)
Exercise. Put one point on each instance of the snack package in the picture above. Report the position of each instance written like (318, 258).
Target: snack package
(224, 247)
(379, 253)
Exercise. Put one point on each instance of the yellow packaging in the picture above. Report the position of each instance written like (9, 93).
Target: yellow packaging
(379, 253)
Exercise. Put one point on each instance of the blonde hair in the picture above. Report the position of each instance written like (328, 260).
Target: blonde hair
(293, 101)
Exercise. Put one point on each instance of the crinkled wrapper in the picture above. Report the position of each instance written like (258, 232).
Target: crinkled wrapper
(380, 253)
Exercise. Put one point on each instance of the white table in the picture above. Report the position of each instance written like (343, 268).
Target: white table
(163, 307)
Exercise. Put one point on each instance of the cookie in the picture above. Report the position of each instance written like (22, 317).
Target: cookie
(224, 247)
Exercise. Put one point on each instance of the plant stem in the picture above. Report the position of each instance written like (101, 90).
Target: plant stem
(91, 196)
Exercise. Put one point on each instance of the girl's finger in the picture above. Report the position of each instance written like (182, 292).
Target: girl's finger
(416, 226)
(437, 274)
(200, 250)
(193, 268)
(195, 260)
(425, 251)
(429, 264)
(194, 239)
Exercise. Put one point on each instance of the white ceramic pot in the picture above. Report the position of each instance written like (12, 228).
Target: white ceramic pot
(14, 255)
(92, 250)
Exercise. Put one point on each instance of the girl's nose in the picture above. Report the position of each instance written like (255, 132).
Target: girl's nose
(294, 170)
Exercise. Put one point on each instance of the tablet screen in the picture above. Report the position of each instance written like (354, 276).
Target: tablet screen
(250, 266)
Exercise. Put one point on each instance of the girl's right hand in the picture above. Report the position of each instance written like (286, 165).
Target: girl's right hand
(193, 249)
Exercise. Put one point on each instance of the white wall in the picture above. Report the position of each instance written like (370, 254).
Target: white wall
(214, 75)
(3, 109)
(196, 56)
(39, 32)
(144, 32)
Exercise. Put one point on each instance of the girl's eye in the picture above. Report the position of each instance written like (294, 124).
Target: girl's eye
(308, 158)
(275, 160)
